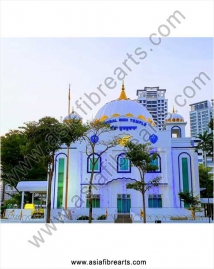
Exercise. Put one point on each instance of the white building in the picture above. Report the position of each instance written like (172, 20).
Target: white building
(177, 165)
(200, 116)
(153, 99)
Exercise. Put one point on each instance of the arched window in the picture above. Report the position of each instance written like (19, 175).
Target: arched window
(61, 173)
(94, 160)
(185, 173)
(123, 164)
(59, 164)
(157, 162)
(175, 132)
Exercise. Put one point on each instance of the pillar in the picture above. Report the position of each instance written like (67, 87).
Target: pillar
(22, 202)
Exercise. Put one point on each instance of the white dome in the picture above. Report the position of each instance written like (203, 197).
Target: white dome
(73, 116)
(174, 117)
(124, 107)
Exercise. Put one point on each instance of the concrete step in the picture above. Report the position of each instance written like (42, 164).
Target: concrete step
(123, 218)
(125, 221)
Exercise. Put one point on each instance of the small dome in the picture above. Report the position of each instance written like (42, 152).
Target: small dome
(174, 117)
(124, 107)
(73, 116)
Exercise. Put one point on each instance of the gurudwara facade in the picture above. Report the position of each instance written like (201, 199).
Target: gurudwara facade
(177, 164)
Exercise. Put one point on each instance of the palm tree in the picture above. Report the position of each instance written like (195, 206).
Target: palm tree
(211, 124)
(205, 144)
(206, 180)
(192, 201)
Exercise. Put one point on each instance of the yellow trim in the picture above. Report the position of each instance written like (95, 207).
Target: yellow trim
(174, 120)
(149, 120)
(129, 115)
(115, 115)
(142, 117)
(103, 118)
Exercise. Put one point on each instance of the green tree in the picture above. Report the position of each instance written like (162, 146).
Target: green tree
(11, 155)
(93, 139)
(192, 201)
(48, 134)
(141, 157)
(211, 124)
(18, 164)
(206, 145)
(206, 181)
(16, 200)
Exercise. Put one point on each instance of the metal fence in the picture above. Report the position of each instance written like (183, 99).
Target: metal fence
(110, 218)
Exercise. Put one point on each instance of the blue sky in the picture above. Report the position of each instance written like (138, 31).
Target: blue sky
(36, 72)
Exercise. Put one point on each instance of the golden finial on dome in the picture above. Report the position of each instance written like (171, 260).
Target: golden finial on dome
(123, 87)
(173, 110)
(123, 94)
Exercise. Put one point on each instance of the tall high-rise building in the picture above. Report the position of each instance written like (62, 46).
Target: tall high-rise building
(200, 116)
(154, 100)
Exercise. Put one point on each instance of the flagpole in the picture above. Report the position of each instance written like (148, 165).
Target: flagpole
(68, 155)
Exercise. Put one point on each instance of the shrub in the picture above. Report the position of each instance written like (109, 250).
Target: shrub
(102, 217)
(14, 200)
(83, 218)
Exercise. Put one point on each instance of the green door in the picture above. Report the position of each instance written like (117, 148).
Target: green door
(123, 203)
